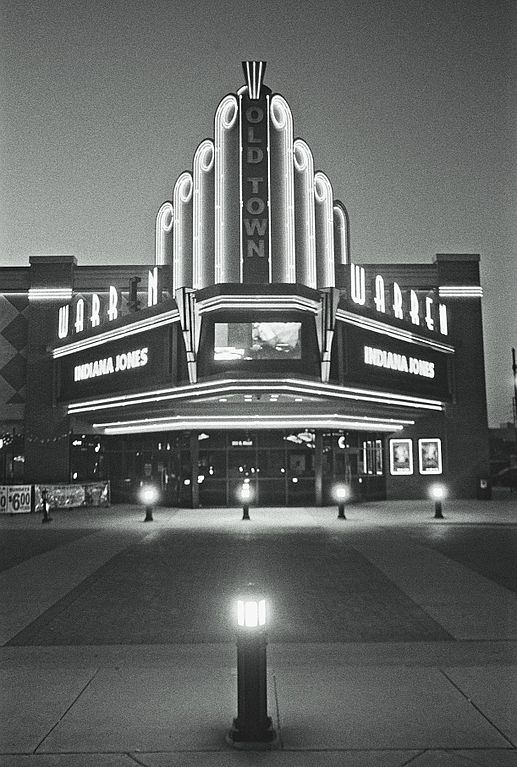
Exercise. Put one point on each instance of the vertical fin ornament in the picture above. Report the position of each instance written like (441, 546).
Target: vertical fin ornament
(254, 72)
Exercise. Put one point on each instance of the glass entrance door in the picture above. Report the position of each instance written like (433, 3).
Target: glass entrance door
(278, 465)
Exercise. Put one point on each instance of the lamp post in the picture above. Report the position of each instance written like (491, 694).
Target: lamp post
(245, 498)
(341, 494)
(514, 371)
(252, 728)
(44, 500)
(148, 496)
(437, 492)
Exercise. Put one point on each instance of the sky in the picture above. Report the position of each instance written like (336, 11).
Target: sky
(409, 106)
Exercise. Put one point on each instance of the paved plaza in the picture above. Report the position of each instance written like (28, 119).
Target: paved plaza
(392, 635)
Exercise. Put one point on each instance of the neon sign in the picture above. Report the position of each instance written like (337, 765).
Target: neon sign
(398, 362)
(96, 311)
(108, 365)
(255, 232)
(392, 301)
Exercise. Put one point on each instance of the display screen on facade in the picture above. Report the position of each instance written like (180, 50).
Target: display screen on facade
(257, 340)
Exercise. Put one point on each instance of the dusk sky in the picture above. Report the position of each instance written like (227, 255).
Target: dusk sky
(408, 105)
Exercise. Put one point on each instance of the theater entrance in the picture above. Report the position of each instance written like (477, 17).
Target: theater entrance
(207, 469)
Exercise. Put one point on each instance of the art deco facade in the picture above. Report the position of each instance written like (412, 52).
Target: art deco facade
(253, 348)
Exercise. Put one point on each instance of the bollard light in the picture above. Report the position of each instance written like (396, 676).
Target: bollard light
(148, 496)
(437, 493)
(341, 494)
(251, 613)
(245, 494)
(252, 728)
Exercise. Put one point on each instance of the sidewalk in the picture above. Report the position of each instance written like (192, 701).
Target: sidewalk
(451, 701)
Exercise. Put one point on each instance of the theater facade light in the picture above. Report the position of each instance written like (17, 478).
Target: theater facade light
(261, 302)
(460, 291)
(115, 334)
(84, 315)
(335, 421)
(50, 294)
(219, 388)
(393, 332)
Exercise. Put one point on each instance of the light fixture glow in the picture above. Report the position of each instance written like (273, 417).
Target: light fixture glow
(225, 120)
(437, 492)
(282, 121)
(179, 423)
(50, 294)
(324, 215)
(261, 302)
(148, 495)
(341, 493)
(163, 234)
(304, 168)
(251, 613)
(460, 291)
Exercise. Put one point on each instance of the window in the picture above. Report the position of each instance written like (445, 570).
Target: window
(371, 457)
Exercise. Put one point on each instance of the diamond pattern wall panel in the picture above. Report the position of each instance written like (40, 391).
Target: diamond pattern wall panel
(13, 352)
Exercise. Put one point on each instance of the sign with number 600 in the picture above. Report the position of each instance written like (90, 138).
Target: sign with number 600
(15, 499)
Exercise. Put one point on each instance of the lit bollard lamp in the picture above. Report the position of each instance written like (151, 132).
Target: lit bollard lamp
(245, 493)
(252, 729)
(341, 494)
(437, 493)
(148, 496)
(45, 502)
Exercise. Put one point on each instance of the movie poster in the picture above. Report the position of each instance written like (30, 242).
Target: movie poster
(430, 456)
(401, 456)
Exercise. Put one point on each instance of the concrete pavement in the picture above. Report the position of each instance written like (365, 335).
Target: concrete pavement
(435, 686)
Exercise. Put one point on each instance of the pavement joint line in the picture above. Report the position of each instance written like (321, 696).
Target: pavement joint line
(279, 726)
(477, 708)
(469, 759)
(60, 719)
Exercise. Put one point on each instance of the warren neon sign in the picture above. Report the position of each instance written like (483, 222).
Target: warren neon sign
(393, 301)
(84, 315)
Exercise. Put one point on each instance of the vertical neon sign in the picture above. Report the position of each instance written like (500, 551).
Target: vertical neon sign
(255, 225)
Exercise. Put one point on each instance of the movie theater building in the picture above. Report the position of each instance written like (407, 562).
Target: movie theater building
(253, 347)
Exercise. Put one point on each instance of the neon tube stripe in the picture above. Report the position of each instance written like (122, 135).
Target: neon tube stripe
(460, 291)
(334, 421)
(257, 302)
(150, 323)
(380, 327)
(42, 294)
(296, 386)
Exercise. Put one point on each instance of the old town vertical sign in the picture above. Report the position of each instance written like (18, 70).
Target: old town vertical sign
(255, 226)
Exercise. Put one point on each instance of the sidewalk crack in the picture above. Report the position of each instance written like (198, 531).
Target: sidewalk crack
(136, 761)
(88, 683)
(413, 758)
